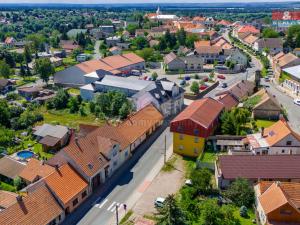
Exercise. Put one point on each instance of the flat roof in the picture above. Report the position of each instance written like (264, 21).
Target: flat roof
(294, 71)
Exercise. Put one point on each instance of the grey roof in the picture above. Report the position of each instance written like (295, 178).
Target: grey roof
(270, 43)
(10, 167)
(294, 71)
(70, 76)
(126, 83)
(57, 131)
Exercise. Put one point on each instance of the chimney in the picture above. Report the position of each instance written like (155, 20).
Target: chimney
(262, 131)
(42, 162)
(56, 167)
(277, 183)
(19, 198)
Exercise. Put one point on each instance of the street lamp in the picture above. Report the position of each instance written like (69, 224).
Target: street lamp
(117, 214)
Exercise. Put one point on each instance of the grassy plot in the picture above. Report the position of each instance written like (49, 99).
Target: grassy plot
(64, 117)
(244, 221)
(264, 123)
(7, 187)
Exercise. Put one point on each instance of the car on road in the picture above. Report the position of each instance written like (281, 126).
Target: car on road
(224, 85)
(159, 202)
(205, 79)
(221, 77)
(187, 77)
(297, 101)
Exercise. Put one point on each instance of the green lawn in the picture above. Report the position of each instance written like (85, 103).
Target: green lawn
(264, 123)
(209, 156)
(63, 117)
(69, 61)
(244, 221)
(74, 91)
(7, 187)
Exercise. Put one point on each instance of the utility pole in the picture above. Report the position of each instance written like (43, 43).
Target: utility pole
(117, 214)
(165, 150)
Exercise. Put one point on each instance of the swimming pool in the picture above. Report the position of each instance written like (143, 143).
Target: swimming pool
(25, 154)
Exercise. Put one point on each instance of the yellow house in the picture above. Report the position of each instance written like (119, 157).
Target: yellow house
(193, 125)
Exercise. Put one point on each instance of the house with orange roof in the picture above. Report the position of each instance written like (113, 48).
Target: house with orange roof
(278, 203)
(250, 40)
(193, 125)
(7, 199)
(278, 139)
(9, 42)
(35, 170)
(96, 152)
(224, 23)
(242, 31)
(37, 207)
(69, 188)
(112, 65)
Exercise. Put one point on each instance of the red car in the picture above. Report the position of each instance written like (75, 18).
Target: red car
(202, 87)
(205, 79)
(221, 77)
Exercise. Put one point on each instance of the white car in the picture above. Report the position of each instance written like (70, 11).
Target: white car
(159, 202)
(297, 101)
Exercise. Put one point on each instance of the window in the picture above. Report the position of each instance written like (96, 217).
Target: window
(181, 147)
(181, 136)
(196, 140)
(75, 202)
(126, 153)
(289, 143)
(196, 132)
(84, 194)
(282, 151)
(115, 163)
(286, 212)
(115, 152)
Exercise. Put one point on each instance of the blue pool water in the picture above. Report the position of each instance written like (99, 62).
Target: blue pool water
(25, 154)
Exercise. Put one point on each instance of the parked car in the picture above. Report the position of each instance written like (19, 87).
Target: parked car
(205, 79)
(159, 202)
(267, 79)
(145, 77)
(187, 77)
(202, 87)
(183, 82)
(136, 72)
(297, 101)
(224, 85)
(221, 77)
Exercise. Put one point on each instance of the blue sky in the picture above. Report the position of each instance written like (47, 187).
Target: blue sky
(136, 1)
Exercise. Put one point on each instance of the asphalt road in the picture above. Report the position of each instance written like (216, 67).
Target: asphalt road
(100, 207)
(293, 110)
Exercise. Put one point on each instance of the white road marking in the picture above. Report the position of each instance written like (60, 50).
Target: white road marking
(114, 208)
(112, 205)
(103, 203)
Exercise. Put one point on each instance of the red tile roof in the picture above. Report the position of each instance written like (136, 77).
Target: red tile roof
(38, 207)
(66, 183)
(228, 100)
(248, 29)
(260, 166)
(203, 112)
(7, 199)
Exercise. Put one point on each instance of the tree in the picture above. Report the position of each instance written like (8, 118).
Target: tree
(243, 211)
(4, 69)
(60, 101)
(154, 76)
(140, 42)
(125, 110)
(270, 33)
(211, 213)
(146, 53)
(131, 28)
(22, 71)
(27, 55)
(194, 87)
(18, 183)
(45, 69)
(201, 180)
(170, 213)
(103, 102)
(181, 36)
(4, 113)
(234, 121)
(241, 193)
(190, 40)
(73, 105)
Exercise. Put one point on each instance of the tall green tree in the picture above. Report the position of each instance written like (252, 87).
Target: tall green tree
(241, 193)
(4, 69)
(201, 180)
(171, 213)
(181, 36)
(44, 68)
(195, 87)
